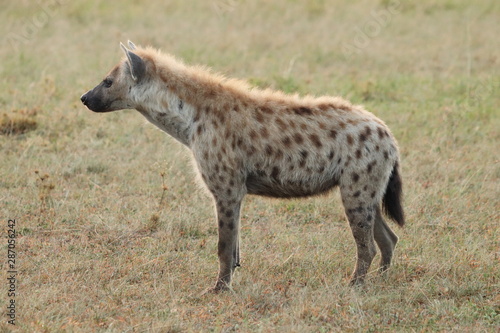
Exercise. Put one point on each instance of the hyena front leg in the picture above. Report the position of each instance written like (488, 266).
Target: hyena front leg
(361, 216)
(228, 217)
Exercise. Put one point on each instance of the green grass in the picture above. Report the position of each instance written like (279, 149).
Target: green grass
(115, 234)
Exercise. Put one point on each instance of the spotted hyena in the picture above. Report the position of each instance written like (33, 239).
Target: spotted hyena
(250, 141)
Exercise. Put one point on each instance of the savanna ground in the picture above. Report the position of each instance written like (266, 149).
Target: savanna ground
(115, 235)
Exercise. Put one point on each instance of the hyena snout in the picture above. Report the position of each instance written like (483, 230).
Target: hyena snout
(94, 102)
(84, 98)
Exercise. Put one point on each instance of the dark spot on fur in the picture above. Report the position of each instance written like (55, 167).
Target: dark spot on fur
(181, 104)
(221, 224)
(229, 191)
(302, 111)
(386, 154)
(260, 173)
(279, 154)
(230, 225)
(368, 130)
(358, 154)
(325, 106)
(321, 169)
(350, 140)
(266, 109)
(342, 125)
(286, 141)
(331, 155)
(269, 150)
(380, 132)
(281, 124)
(200, 129)
(369, 218)
(377, 147)
(196, 117)
(356, 194)
(275, 173)
(355, 177)
(221, 116)
(264, 132)
(372, 195)
(214, 141)
(259, 116)
(229, 213)
(322, 125)
(231, 182)
(333, 134)
(370, 166)
(298, 138)
(315, 140)
(253, 134)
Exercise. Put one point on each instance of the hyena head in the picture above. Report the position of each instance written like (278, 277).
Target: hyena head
(113, 93)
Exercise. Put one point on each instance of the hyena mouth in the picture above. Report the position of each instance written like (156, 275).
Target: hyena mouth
(94, 105)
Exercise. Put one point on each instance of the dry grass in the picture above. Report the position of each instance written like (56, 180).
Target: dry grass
(18, 122)
(115, 235)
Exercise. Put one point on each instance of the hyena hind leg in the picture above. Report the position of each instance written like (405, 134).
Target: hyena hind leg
(361, 220)
(386, 240)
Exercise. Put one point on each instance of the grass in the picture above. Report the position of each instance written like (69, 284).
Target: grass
(115, 235)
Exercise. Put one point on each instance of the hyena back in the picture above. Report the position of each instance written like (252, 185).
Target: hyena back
(250, 141)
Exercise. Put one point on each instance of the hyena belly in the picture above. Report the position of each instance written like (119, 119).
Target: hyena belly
(266, 186)
(275, 183)
(296, 171)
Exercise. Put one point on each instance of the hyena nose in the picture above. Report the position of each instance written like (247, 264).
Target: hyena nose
(84, 99)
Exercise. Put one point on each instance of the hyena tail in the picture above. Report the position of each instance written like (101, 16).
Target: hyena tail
(393, 196)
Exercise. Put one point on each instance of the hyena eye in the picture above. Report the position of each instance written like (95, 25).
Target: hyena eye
(107, 82)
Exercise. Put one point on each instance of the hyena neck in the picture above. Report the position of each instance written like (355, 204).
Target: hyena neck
(167, 111)
(195, 85)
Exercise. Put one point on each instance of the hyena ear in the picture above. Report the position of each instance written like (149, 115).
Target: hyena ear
(131, 45)
(136, 64)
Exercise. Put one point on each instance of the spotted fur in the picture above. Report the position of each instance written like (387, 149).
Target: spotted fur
(263, 142)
